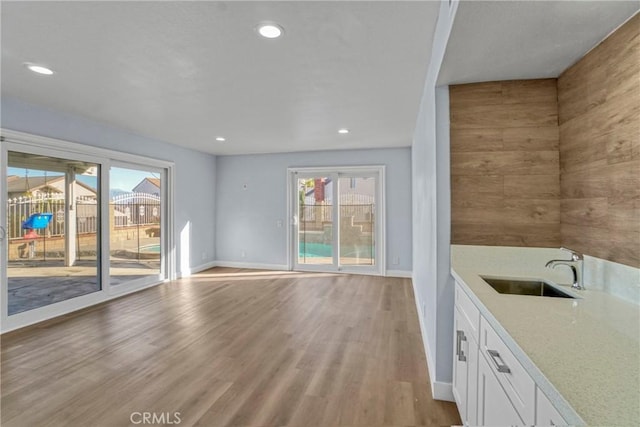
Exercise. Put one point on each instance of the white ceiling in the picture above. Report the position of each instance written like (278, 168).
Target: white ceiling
(498, 40)
(186, 72)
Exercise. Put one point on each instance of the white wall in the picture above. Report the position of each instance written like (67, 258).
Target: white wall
(194, 171)
(246, 219)
(432, 280)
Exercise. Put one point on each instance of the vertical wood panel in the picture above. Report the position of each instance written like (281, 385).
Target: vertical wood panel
(599, 114)
(505, 163)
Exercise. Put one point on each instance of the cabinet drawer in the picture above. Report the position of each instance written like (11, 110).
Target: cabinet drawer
(469, 310)
(517, 383)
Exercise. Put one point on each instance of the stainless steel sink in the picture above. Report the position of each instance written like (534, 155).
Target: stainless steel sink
(525, 287)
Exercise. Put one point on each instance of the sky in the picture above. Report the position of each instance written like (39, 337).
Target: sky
(121, 179)
(126, 179)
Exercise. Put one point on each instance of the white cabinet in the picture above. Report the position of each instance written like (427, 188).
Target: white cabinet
(546, 414)
(465, 358)
(490, 385)
(494, 407)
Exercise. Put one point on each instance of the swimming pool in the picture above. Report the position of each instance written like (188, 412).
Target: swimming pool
(315, 250)
(153, 249)
(323, 250)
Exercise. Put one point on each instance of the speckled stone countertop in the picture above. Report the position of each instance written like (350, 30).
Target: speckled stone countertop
(583, 353)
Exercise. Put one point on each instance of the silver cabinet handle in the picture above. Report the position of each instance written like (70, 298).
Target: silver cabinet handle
(459, 352)
(494, 355)
(2, 233)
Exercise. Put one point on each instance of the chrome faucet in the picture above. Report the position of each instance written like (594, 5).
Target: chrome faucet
(575, 264)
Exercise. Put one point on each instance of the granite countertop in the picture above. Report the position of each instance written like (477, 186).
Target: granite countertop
(583, 353)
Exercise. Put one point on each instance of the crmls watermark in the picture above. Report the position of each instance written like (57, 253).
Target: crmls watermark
(158, 418)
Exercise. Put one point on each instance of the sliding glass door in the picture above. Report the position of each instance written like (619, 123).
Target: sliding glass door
(78, 226)
(337, 219)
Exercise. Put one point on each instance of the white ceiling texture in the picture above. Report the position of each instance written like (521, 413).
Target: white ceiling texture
(510, 40)
(188, 72)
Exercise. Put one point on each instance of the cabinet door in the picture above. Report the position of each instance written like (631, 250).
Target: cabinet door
(494, 407)
(514, 379)
(472, 382)
(460, 364)
(546, 414)
(465, 368)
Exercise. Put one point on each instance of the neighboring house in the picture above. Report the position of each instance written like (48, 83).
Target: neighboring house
(353, 191)
(358, 190)
(20, 186)
(148, 186)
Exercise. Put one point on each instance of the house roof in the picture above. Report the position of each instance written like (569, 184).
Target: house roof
(21, 184)
(153, 181)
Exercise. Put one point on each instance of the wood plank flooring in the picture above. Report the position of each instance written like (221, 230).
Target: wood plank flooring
(229, 347)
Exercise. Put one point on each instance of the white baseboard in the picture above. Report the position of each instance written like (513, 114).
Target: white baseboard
(252, 265)
(442, 391)
(439, 390)
(399, 273)
(278, 267)
(423, 332)
(197, 269)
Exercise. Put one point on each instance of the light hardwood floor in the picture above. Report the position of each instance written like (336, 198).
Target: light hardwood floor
(229, 347)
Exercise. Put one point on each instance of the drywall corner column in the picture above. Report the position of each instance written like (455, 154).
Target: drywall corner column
(431, 215)
(444, 280)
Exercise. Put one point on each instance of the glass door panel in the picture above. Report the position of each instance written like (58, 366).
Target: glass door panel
(315, 221)
(135, 225)
(53, 223)
(357, 220)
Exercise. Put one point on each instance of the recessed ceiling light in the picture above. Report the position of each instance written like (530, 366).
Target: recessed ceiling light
(270, 30)
(39, 69)
(220, 139)
(343, 131)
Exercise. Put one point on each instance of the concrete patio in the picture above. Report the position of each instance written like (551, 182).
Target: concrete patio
(33, 284)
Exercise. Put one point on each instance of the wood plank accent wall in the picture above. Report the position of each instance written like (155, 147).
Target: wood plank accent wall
(505, 186)
(599, 115)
